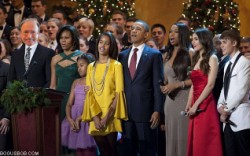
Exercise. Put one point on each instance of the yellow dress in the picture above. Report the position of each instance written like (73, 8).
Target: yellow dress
(98, 102)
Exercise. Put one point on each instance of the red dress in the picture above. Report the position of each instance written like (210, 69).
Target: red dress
(204, 135)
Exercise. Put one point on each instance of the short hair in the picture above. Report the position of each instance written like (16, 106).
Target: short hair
(245, 40)
(118, 29)
(30, 20)
(232, 34)
(44, 36)
(56, 21)
(87, 57)
(153, 40)
(89, 22)
(84, 39)
(42, 1)
(39, 19)
(120, 13)
(113, 49)
(144, 24)
(78, 17)
(158, 25)
(74, 34)
(184, 19)
(3, 8)
(131, 19)
(61, 12)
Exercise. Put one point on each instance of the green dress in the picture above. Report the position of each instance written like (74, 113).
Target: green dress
(65, 76)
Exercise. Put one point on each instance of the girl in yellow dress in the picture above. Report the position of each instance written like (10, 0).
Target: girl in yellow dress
(105, 101)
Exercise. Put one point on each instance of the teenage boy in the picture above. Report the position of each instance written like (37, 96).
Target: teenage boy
(233, 104)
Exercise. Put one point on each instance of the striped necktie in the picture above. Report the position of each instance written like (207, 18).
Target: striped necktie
(27, 58)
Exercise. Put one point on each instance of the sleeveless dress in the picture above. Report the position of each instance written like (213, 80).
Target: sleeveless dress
(204, 137)
(65, 76)
(81, 139)
(176, 126)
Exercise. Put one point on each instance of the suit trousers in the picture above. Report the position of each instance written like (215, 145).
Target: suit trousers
(236, 143)
(6, 141)
(141, 139)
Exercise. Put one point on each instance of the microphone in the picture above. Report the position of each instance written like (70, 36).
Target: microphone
(230, 122)
(183, 113)
(25, 75)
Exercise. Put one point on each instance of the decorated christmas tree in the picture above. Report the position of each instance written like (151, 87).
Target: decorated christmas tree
(100, 10)
(217, 15)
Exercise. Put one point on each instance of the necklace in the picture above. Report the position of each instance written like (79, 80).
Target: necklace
(98, 87)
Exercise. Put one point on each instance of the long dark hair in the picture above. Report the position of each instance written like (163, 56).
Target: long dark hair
(182, 60)
(206, 39)
(113, 49)
(74, 34)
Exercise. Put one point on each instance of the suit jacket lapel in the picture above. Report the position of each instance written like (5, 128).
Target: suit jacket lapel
(21, 55)
(143, 59)
(36, 55)
(126, 67)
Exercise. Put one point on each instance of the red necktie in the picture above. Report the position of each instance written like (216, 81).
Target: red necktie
(132, 66)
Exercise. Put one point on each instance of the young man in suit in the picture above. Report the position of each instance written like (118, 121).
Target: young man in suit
(32, 61)
(158, 32)
(143, 68)
(38, 8)
(4, 28)
(222, 61)
(18, 11)
(233, 103)
(6, 4)
(245, 47)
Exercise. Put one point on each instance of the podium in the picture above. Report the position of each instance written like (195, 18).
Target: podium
(39, 130)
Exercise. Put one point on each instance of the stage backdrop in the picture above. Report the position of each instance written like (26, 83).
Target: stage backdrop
(168, 11)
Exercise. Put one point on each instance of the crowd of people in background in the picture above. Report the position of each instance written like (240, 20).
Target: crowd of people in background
(129, 92)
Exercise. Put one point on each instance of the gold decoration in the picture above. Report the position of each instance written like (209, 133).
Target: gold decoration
(91, 11)
(104, 11)
(216, 14)
(226, 15)
(98, 87)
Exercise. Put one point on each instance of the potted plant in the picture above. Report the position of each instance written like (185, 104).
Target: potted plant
(17, 98)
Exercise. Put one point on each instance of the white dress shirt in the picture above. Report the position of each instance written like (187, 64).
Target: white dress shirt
(32, 51)
(53, 45)
(237, 101)
(139, 53)
(1, 31)
(18, 17)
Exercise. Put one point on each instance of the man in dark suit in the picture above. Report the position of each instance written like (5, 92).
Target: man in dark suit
(38, 8)
(4, 116)
(222, 61)
(143, 68)
(18, 11)
(32, 61)
(6, 4)
(4, 28)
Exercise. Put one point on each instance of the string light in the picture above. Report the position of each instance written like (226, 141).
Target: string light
(100, 10)
(217, 15)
